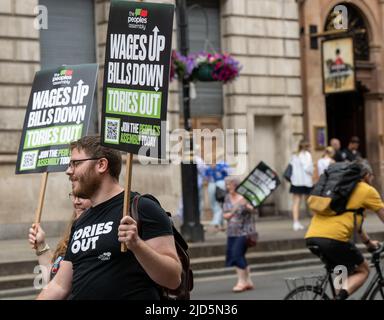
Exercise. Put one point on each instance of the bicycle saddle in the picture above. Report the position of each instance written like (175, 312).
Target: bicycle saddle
(316, 251)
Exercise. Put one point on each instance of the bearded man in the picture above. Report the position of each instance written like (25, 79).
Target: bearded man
(94, 266)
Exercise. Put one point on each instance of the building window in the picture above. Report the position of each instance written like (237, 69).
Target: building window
(70, 37)
(203, 14)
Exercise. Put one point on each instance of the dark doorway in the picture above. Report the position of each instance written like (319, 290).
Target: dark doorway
(345, 117)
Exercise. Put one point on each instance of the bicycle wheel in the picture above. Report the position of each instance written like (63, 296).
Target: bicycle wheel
(307, 293)
(377, 294)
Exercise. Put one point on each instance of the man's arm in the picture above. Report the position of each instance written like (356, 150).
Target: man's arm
(36, 239)
(370, 244)
(60, 287)
(380, 214)
(157, 256)
(364, 236)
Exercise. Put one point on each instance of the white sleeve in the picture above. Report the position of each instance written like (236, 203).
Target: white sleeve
(307, 163)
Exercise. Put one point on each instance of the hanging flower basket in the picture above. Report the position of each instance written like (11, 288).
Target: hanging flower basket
(204, 66)
(204, 72)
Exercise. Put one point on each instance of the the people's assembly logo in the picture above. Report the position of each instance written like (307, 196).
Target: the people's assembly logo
(105, 256)
(138, 19)
(63, 77)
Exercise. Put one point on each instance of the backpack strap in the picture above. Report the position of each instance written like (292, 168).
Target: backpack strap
(134, 211)
(151, 197)
(359, 211)
(178, 238)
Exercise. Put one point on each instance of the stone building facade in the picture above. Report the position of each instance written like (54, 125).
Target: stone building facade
(266, 100)
(358, 113)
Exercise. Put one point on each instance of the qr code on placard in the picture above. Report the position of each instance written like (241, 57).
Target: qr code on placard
(112, 128)
(28, 160)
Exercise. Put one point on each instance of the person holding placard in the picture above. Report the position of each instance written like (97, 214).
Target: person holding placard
(241, 222)
(48, 259)
(94, 266)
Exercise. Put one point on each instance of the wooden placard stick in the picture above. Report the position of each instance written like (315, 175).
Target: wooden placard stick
(127, 191)
(39, 208)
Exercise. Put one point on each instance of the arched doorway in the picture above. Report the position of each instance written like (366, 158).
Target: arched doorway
(345, 111)
(346, 118)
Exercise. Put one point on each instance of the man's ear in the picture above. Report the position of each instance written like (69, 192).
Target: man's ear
(102, 165)
(367, 178)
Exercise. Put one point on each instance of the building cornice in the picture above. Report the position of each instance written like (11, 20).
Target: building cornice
(8, 159)
(374, 96)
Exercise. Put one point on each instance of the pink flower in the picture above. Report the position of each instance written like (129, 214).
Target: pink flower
(225, 67)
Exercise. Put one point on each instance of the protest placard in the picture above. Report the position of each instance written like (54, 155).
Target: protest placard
(58, 112)
(136, 77)
(259, 184)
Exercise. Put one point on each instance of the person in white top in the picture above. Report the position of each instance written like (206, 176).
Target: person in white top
(325, 160)
(301, 180)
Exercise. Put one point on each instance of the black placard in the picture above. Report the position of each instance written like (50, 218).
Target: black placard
(58, 112)
(136, 77)
(259, 184)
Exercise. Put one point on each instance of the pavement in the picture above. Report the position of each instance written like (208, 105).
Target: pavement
(270, 230)
(277, 229)
(280, 250)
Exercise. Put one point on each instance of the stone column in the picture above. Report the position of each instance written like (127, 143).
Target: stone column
(374, 136)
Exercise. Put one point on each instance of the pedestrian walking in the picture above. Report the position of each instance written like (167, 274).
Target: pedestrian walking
(335, 144)
(215, 175)
(324, 162)
(301, 180)
(351, 153)
(241, 223)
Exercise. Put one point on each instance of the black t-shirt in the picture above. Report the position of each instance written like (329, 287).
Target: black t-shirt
(338, 157)
(100, 269)
(350, 155)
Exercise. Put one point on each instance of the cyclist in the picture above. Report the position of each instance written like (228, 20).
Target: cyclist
(333, 233)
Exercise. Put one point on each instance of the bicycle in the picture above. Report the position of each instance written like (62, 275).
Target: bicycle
(318, 290)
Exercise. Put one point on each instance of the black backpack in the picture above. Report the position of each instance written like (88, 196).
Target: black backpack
(186, 285)
(334, 188)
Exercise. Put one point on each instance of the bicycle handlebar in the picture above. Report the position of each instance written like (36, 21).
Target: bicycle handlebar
(376, 251)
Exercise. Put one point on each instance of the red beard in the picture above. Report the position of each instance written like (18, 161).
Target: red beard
(88, 184)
